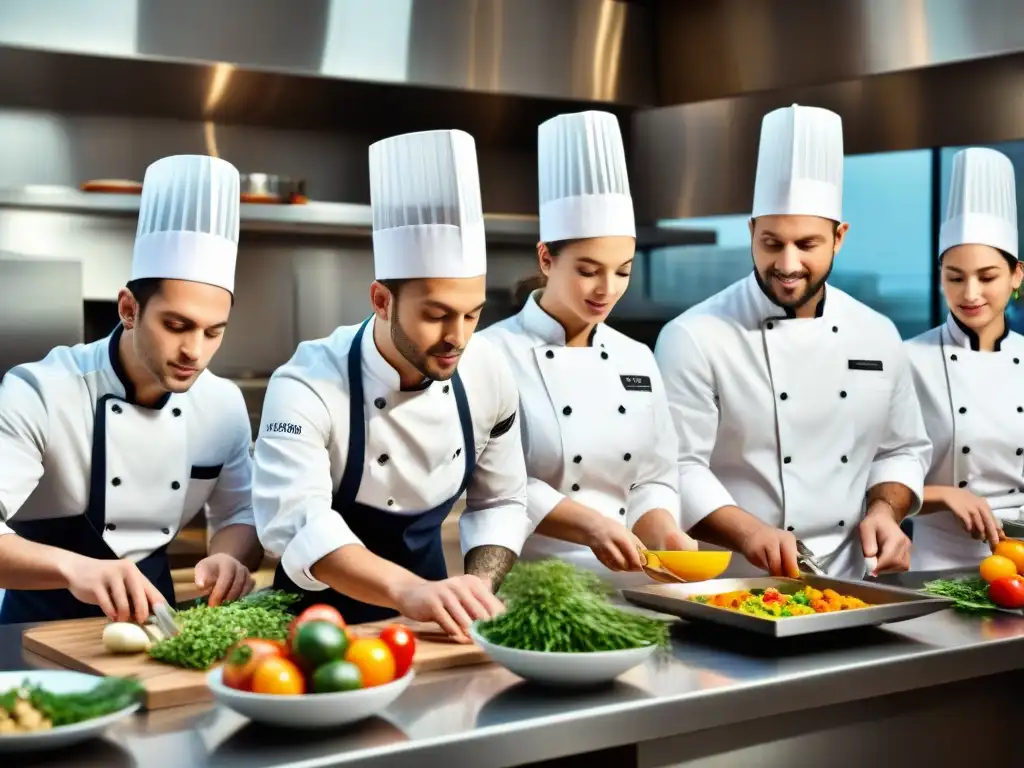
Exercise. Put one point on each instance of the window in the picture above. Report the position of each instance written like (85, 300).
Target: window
(886, 261)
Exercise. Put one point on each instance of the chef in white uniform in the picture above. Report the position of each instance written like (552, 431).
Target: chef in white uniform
(599, 442)
(108, 449)
(371, 435)
(794, 403)
(969, 372)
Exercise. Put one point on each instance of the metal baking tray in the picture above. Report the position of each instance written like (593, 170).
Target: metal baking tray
(1013, 528)
(887, 604)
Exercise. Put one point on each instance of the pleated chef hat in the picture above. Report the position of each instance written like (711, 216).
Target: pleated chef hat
(584, 183)
(188, 221)
(982, 205)
(427, 216)
(800, 164)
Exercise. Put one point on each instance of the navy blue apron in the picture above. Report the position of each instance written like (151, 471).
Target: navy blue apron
(412, 541)
(82, 534)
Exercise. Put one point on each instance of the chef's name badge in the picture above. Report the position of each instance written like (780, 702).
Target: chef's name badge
(865, 365)
(282, 427)
(636, 383)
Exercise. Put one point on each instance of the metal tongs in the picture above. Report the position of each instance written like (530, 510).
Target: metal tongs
(806, 560)
(655, 570)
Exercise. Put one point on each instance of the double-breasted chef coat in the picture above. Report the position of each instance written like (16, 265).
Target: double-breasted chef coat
(973, 407)
(793, 420)
(596, 429)
(346, 456)
(85, 468)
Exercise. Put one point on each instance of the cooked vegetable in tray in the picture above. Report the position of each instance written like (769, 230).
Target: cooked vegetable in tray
(772, 604)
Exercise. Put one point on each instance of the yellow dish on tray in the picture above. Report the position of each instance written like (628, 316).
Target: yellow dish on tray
(689, 566)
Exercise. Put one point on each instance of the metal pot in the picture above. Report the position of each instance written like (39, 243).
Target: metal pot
(272, 188)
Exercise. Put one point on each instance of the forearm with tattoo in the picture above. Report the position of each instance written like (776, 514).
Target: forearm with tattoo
(896, 495)
(490, 563)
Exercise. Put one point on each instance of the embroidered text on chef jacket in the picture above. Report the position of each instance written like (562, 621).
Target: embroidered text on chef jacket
(414, 450)
(596, 426)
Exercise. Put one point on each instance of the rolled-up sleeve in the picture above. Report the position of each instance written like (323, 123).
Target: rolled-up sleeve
(231, 500)
(291, 490)
(496, 500)
(690, 392)
(24, 430)
(905, 451)
(657, 485)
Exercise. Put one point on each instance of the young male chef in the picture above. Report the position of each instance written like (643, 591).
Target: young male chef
(794, 403)
(371, 435)
(107, 449)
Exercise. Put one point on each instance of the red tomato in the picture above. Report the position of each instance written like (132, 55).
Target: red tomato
(243, 657)
(318, 612)
(1007, 592)
(402, 643)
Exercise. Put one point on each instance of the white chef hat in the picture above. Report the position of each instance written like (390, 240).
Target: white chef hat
(188, 221)
(982, 205)
(800, 164)
(427, 216)
(584, 183)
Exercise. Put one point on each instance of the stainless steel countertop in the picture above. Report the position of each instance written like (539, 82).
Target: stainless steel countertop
(486, 716)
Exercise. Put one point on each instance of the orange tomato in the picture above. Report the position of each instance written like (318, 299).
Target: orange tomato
(278, 676)
(995, 567)
(1012, 549)
(374, 659)
(244, 657)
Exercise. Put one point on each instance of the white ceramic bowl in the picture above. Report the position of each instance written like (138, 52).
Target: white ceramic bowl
(311, 710)
(57, 681)
(564, 669)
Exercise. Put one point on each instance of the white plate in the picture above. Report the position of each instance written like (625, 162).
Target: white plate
(565, 669)
(56, 681)
(312, 710)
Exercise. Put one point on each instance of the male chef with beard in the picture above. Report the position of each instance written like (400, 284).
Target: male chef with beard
(371, 435)
(108, 449)
(794, 404)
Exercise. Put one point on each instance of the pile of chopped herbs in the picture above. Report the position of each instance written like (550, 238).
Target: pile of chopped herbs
(556, 607)
(970, 594)
(207, 633)
(111, 694)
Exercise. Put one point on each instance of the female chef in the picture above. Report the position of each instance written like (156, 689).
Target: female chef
(599, 443)
(107, 449)
(969, 373)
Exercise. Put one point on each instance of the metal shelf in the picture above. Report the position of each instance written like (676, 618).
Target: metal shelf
(313, 218)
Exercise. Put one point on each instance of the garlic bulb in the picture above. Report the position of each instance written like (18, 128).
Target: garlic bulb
(123, 637)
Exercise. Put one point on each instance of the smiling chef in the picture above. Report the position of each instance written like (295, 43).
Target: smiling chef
(371, 435)
(600, 446)
(107, 449)
(969, 371)
(794, 403)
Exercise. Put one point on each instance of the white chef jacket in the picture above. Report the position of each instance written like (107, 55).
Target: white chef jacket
(413, 459)
(155, 467)
(793, 420)
(596, 429)
(973, 406)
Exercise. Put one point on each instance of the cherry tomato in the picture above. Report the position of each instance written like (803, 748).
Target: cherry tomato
(278, 676)
(242, 659)
(995, 567)
(1012, 549)
(402, 643)
(1007, 592)
(374, 659)
(318, 612)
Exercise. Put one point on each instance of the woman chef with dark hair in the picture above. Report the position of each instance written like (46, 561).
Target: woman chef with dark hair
(600, 446)
(108, 449)
(969, 372)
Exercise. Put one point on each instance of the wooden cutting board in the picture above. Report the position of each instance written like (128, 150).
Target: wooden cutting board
(78, 645)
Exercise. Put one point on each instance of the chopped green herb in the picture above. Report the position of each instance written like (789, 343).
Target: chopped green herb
(208, 633)
(555, 607)
(111, 694)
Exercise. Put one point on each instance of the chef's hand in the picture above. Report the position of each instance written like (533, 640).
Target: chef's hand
(974, 514)
(658, 530)
(613, 544)
(882, 538)
(773, 550)
(454, 603)
(223, 578)
(116, 586)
